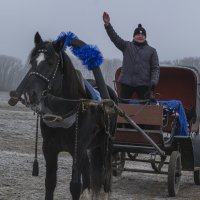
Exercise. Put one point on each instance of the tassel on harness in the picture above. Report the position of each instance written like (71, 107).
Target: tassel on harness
(35, 171)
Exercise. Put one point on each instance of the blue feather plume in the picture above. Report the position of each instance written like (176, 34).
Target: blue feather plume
(90, 55)
(69, 36)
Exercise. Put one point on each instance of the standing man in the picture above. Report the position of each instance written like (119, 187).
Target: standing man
(140, 68)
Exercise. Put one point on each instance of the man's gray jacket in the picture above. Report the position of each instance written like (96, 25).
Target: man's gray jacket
(140, 65)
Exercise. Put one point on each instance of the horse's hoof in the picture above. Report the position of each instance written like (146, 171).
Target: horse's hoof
(85, 195)
(104, 196)
(100, 196)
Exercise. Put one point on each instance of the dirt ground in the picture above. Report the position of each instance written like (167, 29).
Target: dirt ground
(17, 137)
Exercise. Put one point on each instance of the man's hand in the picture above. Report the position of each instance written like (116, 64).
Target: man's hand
(106, 18)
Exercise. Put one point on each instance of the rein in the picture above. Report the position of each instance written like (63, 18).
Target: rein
(76, 137)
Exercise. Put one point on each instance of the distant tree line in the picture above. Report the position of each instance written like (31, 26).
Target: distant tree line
(12, 70)
(187, 61)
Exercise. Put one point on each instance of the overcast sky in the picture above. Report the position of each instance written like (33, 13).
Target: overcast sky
(173, 26)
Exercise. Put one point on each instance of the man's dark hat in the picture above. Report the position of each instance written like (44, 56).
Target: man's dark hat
(140, 30)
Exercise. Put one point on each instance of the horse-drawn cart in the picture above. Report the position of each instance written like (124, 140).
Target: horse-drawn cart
(167, 128)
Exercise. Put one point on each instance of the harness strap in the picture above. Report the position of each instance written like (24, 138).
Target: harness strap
(76, 138)
(80, 78)
(40, 75)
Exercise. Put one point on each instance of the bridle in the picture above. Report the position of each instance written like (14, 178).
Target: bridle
(52, 77)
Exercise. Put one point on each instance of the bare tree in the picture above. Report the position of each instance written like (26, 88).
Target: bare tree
(10, 72)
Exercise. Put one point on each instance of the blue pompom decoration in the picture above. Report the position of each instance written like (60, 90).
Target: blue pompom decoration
(69, 36)
(90, 55)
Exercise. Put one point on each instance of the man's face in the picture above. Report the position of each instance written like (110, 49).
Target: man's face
(140, 38)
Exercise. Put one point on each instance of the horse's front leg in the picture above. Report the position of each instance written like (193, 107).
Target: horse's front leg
(51, 158)
(80, 182)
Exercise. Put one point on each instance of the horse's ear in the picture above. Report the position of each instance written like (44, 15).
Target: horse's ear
(59, 46)
(38, 39)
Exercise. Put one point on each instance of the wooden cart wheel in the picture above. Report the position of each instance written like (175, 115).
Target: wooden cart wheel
(197, 177)
(174, 173)
(118, 163)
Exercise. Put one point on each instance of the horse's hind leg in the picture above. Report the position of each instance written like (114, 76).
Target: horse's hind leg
(107, 172)
(51, 158)
(96, 172)
(85, 171)
(100, 175)
(75, 184)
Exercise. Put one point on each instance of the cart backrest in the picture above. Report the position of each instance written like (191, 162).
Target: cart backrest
(179, 83)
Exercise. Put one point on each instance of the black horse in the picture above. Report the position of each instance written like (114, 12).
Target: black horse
(80, 126)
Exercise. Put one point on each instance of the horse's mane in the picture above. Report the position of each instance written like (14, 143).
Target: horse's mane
(72, 87)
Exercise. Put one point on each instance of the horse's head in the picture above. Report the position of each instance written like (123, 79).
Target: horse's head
(46, 70)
